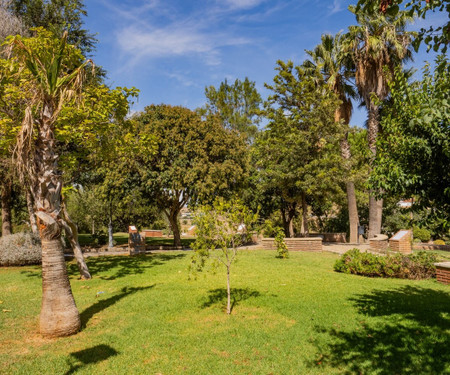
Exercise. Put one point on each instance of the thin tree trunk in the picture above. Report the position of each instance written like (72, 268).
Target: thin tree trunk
(352, 212)
(228, 291)
(305, 226)
(375, 206)
(72, 234)
(353, 217)
(110, 228)
(6, 208)
(30, 207)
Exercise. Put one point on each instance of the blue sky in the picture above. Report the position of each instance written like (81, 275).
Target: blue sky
(172, 49)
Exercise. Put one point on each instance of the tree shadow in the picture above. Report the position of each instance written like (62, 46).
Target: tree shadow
(408, 335)
(216, 296)
(103, 304)
(116, 265)
(121, 266)
(89, 356)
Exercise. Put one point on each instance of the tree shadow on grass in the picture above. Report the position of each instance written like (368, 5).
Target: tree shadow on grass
(103, 304)
(115, 267)
(409, 335)
(216, 296)
(89, 356)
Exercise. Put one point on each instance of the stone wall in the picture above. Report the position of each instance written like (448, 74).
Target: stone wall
(295, 244)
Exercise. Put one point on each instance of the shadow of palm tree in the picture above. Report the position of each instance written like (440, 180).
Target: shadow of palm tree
(408, 336)
(103, 304)
(117, 265)
(219, 295)
(88, 356)
(122, 266)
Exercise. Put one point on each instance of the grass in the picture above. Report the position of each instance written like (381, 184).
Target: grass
(121, 238)
(141, 315)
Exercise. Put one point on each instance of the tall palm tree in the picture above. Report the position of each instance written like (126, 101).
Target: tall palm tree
(54, 76)
(377, 44)
(337, 70)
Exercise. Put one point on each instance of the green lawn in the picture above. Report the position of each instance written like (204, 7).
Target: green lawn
(141, 315)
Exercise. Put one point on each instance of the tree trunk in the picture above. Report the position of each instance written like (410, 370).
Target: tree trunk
(352, 212)
(353, 217)
(30, 207)
(287, 216)
(6, 208)
(228, 291)
(110, 229)
(173, 221)
(375, 206)
(72, 235)
(59, 314)
(305, 226)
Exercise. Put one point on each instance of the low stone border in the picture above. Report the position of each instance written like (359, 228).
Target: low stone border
(443, 272)
(295, 244)
(428, 246)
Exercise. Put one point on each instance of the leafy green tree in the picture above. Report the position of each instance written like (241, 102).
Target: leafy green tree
(338, 70)
(221, 229)
(237, 105)
(413, 158)
(196, 160)
(58, 16)
(378, 44)
(47, 75)
(297, 154)
(437, 38)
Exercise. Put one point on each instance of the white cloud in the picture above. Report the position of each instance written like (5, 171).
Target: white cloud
(336, 7)
(139, 43)
(242, 4)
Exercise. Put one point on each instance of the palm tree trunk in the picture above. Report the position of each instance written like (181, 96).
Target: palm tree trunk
(59, 314)
(375, 205)
(30, 207)
(6, 208)
(351, 193)
(352, 212)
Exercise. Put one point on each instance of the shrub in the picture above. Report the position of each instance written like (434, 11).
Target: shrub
(282, 250)
(439, 242)
(415, 266)
(422, 234)
(20, 249)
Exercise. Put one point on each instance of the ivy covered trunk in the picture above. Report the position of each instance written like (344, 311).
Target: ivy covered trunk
(59, 315)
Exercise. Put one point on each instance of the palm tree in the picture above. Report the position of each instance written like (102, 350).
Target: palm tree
(54, 76)
(337, 70)
(377, 44)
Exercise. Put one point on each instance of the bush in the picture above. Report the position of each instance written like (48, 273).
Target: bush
(282, 250)
(415, 266)
(439, 242)
(20, 249)
(422, 234)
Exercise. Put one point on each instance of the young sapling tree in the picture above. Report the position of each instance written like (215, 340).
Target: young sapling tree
(221, 229)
